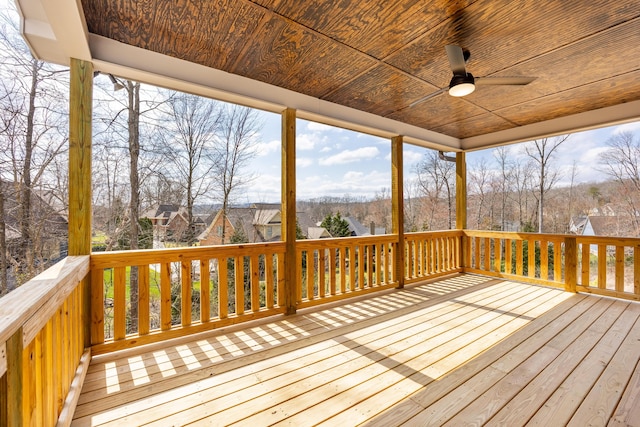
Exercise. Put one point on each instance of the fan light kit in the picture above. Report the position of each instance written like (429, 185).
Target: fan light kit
(463, 83)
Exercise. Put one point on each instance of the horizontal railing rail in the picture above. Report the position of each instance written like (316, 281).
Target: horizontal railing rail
(331, 269)
(181, 291)
(42, 345)
(432, 254)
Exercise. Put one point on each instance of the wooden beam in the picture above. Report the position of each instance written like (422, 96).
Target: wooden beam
(461, 191)
(397, 205)
(461, 200)
(289, 207)
(80, 110)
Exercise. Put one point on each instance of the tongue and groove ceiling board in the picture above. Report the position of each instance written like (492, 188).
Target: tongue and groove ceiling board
(380, 56)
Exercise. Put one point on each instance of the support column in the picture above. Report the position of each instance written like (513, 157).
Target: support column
(289, 208)
(80, 111)
(461, 191)
(461, 203)
(397, 206)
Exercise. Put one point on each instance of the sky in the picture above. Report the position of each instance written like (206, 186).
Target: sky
(336, 162)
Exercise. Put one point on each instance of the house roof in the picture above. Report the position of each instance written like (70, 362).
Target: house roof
(361, 64)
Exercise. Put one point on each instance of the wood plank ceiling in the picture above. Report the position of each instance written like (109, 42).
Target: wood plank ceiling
(380, 56)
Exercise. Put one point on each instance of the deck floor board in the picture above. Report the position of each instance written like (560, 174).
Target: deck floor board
(460, 350)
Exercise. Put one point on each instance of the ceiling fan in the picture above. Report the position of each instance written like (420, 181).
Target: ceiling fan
(463, 83)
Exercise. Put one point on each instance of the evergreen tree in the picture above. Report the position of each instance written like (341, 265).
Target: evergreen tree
(336, 225)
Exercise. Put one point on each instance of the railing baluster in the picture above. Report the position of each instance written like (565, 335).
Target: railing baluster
(119, 303)
(143, 299)
(321, 272)
(602, 266)
(586, 265)
(185, 301)
(332, 271)
(223, 288)
(268, 275)
(519, 258)
(238, 269)
(557, 261)
(361, 264)
(544, 259)
(97, 306)
(531, 255)
(205, 290)
(165, 296)
(508, 254)
(619, 269)
(636, 270)
(255, 283)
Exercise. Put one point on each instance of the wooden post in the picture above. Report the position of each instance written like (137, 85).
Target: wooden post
(461, 202)
(570, 264)
(80, 111)
(397, 206)
(11, 399)
(289, 207)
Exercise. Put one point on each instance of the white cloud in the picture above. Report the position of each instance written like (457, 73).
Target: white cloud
(325, 149)
(350, 156)
(304, 162)
(410, 157)
(627, 127)
(266, 148)
(306, 141)
(354, 183)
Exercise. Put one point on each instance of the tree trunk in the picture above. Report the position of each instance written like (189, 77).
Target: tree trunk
(4, 279)
(134, 203)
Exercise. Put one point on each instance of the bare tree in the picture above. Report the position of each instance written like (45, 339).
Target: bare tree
(192, 125)
(541, 152)
(30, 140)
(480, 185)
(436, 178)
(234, 150)
(622, 163)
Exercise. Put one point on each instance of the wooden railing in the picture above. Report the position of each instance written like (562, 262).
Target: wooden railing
(181, 291)
(608, 266)
(331, 269)
(432, 254)
(42, 346)
(599, 265)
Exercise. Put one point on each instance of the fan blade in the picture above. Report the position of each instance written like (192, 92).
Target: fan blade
(456, 59)
(431, 95)
(517, 81)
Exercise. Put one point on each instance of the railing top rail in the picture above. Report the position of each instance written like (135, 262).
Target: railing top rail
(152, 256)
(346, 241)
(614, 241)
(517, 235)
(606, 240)
(435, 233)
(21, 304)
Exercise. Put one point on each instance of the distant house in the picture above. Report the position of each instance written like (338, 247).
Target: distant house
(258, 223)
(603, 225)
(170, 222)
(357, 229)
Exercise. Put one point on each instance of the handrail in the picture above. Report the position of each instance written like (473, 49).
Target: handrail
(430, 254)
(42, 341)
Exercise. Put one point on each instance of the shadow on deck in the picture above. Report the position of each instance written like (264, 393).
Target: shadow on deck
(461, 350)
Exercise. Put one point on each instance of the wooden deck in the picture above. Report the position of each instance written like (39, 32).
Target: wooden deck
(465, 350)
